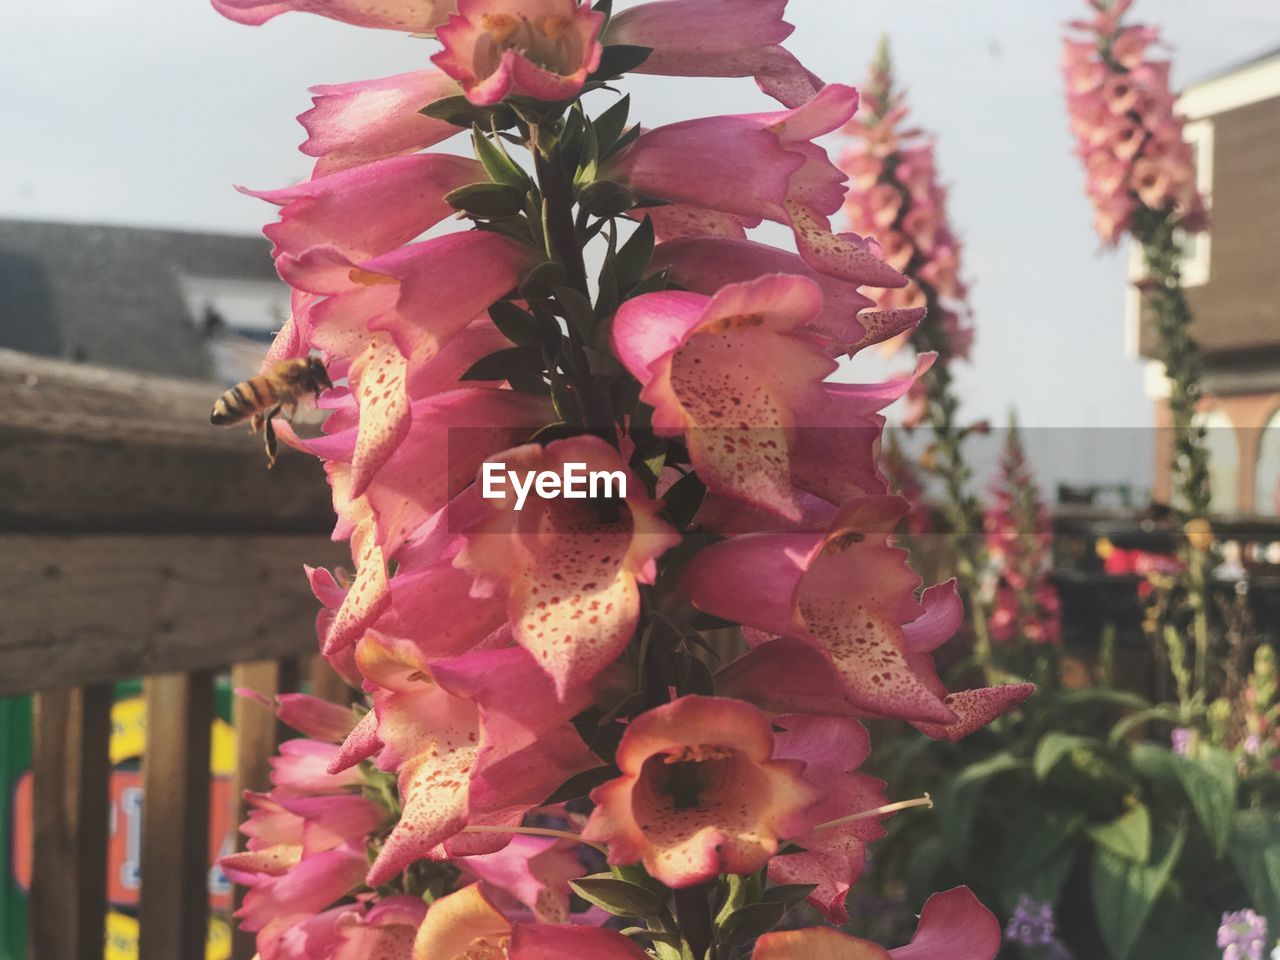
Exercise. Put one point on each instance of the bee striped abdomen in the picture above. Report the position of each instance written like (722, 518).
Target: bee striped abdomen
(242, 401)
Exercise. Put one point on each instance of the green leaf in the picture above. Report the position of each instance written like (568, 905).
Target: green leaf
(542, 279)
(624, 141)
(1053, 747)
(634, 256)
(1255, 852)
(1127, 836)
(521, 327)
(488, 201)
(751, 921)
(622, 898)
(500, 167)
(1124, 892)
(958, 801)
(1166, 714)
(1036, 855)
(610, 124)
(576, 310)
(734, 891)
(1177, 931)
(1154, 762)
(461, 112)
(789, 893)
(581, 784)
(684, 499)
(605, 198)
(505, 364)
(1094, 696)
(1209, 780)
(620, 58)
(697, 679)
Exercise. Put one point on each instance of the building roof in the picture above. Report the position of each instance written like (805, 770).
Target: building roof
(130, 297)
(1251, 81)
(1272, 54)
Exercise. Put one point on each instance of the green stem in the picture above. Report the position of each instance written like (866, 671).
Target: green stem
(1177, 350)
(693, 915)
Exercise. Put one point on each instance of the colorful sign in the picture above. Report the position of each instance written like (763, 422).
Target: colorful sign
(124, 824)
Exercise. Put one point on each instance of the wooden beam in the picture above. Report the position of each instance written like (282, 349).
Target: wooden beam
(174, 901)
(326, 684)
(70, 770)
(91, 449)
(90, 608)
(257, 735)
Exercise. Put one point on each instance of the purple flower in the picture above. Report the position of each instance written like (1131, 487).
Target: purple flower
(1253, 744)
(1032, 923)
(1181, 741)
(1242, 936)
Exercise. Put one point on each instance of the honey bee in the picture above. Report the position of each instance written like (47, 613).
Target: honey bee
(263, 397)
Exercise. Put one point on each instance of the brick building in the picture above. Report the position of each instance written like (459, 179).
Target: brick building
(1232, 276)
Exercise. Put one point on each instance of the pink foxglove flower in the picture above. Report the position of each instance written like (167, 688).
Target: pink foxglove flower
(848, 320)
(953, 926)
(529, 878)
(572, 570)
(703, 791)
(517, 644)
(463, 750)
(367, 211)
(898, 199)
(1019, 542)
(543, 49)
(468, 924)
(776, 172)
(717, 38)
(845, 592)
(356, 932)
(351, 124)
(832, 748)
(405, 15)
(1127, 133)
(740, 377)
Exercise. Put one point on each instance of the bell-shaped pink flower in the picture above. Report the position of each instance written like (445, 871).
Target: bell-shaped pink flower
(354, 931)
(311, 716)
(355, 123)
(464, 751)
(367, 211)
(544, 49)
(549, 942)
(570, 568)
(702, 792)
(466, 923)
(531, 874)
(832, 748)
(734, 374)
(761, 167)
(717, 38)
(304, 853)
(846, 322)
(417, 16)
(953, 926)
(845, 591)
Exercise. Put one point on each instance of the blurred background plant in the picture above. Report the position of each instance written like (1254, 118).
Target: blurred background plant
(1123, 812)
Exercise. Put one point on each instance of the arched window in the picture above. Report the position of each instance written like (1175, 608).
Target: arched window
(1224, 460)
(1267, 479)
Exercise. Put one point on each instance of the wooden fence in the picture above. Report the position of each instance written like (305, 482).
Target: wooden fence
(138, 541)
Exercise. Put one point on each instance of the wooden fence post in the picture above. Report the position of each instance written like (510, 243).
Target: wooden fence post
(174, 903)
(71, 768)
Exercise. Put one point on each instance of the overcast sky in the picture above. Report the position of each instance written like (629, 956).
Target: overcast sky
(147, 111)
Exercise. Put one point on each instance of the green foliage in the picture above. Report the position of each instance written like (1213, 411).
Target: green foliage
(1077, 800)
(1125, 890)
